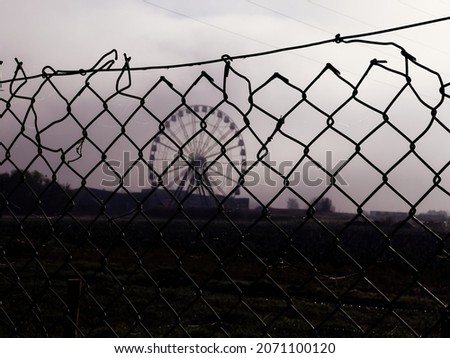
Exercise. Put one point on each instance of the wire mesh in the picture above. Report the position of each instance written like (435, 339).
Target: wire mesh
(185, 255)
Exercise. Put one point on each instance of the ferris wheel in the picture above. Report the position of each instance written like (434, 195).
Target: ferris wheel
(199, 156)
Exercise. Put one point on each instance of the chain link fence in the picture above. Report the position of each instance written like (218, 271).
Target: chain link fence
(133, 205)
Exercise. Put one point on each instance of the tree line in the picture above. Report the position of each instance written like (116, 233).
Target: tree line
(24, 193)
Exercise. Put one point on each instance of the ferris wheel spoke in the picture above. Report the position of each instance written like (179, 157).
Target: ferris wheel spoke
(183, 128)
(223, 136)
(200, 142)
(195, 136)
(174, 136)
(206, 186)
(217, 153)
(180, 179)
(164, 158)
(221, 191)
(212, 155)
(187, 137)
(194, 131)
(215, 127)
(220, 139)
(213, 187)
(193, 181)
(181, 185)
(168, 146)
(191, 145)
(211, 135)
(175, 168)
(207, 146)
(224, 175)
(163, 165)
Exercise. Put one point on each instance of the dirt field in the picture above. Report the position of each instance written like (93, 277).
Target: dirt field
(285, 278)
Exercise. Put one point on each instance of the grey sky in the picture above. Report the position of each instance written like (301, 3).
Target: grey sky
(75, 34)
(63, 33)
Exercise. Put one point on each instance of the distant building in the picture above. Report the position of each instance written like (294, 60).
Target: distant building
(388, 215)
(89, 201)
(433, 216)
(238, 203)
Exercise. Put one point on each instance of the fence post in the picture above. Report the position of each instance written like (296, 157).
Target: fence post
(445, 322)
(73, 307)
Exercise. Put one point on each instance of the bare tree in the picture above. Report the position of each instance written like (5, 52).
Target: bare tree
(325, 205)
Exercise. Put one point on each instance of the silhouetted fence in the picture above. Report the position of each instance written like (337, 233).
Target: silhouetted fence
(133, 204)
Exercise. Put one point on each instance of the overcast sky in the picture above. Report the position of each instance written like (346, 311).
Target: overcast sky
(75, 34)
